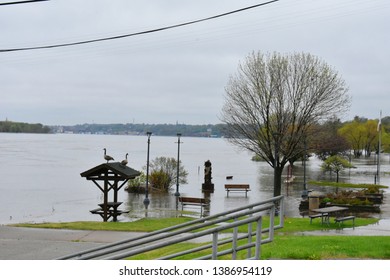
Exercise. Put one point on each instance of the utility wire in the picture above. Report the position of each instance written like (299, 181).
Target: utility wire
(21, 2)
(137, 33)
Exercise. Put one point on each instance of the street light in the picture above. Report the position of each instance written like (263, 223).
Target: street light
(146, 200)
(304, 192)
(178, 165)
(276, 136)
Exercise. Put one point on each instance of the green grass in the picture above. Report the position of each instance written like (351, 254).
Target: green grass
(290, 242)
(142, 225)
(151, 224)
(327, 247)
(292, 247)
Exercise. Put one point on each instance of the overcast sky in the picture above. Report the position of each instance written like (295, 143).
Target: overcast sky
(177, 75)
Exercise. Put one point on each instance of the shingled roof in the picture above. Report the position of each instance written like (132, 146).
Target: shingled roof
(111, 169)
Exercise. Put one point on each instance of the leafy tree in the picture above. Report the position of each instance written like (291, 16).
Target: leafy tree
(163, 173)
(353, 132)
(371, 136)
(362, 135)
(274, 100)
(336, 164)
(19, 127)
(327, 141)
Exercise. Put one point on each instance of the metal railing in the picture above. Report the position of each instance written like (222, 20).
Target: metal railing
(212, 232)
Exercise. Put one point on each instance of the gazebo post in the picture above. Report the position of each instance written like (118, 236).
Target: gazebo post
(105, 199)
(115, 199)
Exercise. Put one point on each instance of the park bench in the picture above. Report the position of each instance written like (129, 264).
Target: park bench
(324, 217)
(237, 188)
(340, 220)
(193, 201)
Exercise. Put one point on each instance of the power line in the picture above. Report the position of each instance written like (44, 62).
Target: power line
(137, 33)
(21, 2)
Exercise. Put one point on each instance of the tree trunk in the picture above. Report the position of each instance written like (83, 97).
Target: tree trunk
(278, 180)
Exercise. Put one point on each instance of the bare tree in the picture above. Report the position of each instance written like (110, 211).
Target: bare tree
(274, 99)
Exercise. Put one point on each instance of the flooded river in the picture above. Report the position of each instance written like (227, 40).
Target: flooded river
(40, 175)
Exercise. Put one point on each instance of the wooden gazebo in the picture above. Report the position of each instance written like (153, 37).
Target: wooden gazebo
(110, 177)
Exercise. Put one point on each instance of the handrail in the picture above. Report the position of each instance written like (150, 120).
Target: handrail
(170, 235)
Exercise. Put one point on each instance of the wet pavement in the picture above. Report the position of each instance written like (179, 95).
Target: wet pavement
(44, 244)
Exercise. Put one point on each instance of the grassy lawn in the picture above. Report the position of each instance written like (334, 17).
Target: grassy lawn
(289, 242)
(292, 247)
(292, 225)
(142, 225)
(328, 247)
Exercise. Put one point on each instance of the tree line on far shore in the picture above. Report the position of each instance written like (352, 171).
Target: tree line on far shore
(21, 127)
(359, 135)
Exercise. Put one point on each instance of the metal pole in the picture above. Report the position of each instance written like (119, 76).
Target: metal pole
(276, 163)
(304, 193)
(178, 165)
(379, 147)
(146, 200)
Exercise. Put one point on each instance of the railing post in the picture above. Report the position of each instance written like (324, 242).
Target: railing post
(258, 238)
(215, 245)
(281, 213)
(234, 242)
(249, 253)
(272, 223)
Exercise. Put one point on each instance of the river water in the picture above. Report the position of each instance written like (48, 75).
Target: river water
(40, 175)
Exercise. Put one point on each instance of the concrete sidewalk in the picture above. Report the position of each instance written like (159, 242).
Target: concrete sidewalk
(45, 244)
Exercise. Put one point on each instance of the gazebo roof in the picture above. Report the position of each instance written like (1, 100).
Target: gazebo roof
(112, 169)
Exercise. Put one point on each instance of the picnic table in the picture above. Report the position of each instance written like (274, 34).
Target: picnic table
(324, 212)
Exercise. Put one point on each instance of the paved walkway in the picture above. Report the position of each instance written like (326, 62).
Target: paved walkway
(45, 244)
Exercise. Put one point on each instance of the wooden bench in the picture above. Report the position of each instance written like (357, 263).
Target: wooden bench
(324, 217)
(237, 188)
(194, 201)
(340, 220)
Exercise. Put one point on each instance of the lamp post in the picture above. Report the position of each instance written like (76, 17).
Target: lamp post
(177, 193)
(276, 136)
(304, 192)
(146, 200)
(379, 149)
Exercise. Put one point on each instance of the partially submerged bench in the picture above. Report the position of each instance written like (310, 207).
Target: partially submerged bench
(340, 220)
(237, 188)
(194, 201)
(324, 217)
